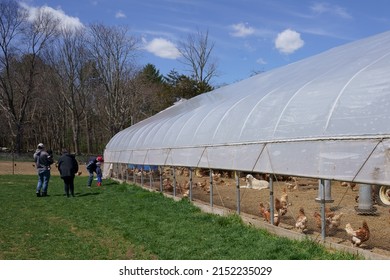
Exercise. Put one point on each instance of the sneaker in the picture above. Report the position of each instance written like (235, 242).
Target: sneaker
(38, 194)
(88, 187)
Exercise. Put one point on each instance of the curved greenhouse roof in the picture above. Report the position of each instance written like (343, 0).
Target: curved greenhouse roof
(326, 116)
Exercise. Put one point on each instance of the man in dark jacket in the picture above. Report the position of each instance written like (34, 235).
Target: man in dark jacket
(91, 168)
(68, 167)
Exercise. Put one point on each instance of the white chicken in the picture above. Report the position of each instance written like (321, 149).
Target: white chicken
(334, 221)
(301, 222)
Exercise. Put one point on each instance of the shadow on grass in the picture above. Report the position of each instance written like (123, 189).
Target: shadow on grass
(110, 183)
(86, 194)
(77, 194)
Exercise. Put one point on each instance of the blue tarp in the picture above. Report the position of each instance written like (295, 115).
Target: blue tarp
(143, 167)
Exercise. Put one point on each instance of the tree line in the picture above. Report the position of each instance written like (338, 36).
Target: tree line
(76, 88)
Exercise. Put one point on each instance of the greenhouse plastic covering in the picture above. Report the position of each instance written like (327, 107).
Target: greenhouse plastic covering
(326, 116)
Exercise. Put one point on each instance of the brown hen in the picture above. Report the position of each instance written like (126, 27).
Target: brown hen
(358, 236)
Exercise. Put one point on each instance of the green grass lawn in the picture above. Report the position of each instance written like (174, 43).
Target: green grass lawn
(120, 221)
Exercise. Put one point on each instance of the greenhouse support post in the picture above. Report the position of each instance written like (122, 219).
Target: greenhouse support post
(271, 198)
(127, 174)
(150, 178)
(211, 188)
(237, 176)
(161, 180)
(190, 184)
(174, 181)
(142, 177)
(323, 218)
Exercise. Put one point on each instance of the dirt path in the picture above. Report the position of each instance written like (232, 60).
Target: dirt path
(28, 168)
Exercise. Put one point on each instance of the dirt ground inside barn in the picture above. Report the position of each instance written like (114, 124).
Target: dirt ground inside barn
(345, 200)
(304, 195)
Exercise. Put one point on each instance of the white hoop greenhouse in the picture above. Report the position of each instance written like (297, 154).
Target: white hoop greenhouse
(326, 117)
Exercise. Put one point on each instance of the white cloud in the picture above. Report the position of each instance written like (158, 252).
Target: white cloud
(322, 8)
(120, 14)
(242, 30)
(66, 21)
(163, 48)
(261, 61)
(288, 41)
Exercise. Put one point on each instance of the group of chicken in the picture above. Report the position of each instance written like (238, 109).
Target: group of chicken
(280, 209)
(332, 220)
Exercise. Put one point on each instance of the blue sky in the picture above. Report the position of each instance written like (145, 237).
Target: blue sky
(249, 35)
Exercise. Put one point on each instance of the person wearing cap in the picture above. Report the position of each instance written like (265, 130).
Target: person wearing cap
(42, 162)
(99, 173)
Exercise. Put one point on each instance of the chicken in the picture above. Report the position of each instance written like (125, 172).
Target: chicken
(353, 186)
(216, 176)
(278, 205)
(276, 219)
(204, 186)
(279, 208)
(283, 210)
(358, 236)
(317, 217)
(265, 212)
(334, 221)
(301, 222)
(199, 173)
(292, 184)
(186, 193)
(349, 185)
(284, 198)
(184, 187)
(328, 213)
(284, 202)
(167, 184)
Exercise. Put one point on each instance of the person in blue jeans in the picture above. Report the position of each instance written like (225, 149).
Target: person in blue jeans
(43, 160)
(91, 168)
(94, 166)
(99, 173)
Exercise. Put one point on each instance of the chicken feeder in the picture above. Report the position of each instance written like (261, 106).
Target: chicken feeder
(324, 191)
(365, 206)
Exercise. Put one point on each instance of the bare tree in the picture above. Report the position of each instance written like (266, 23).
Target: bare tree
(113, 51)
(21, 43)
(71, 63)
(196, 53)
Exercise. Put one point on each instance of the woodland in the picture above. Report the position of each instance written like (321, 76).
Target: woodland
(76, 88)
